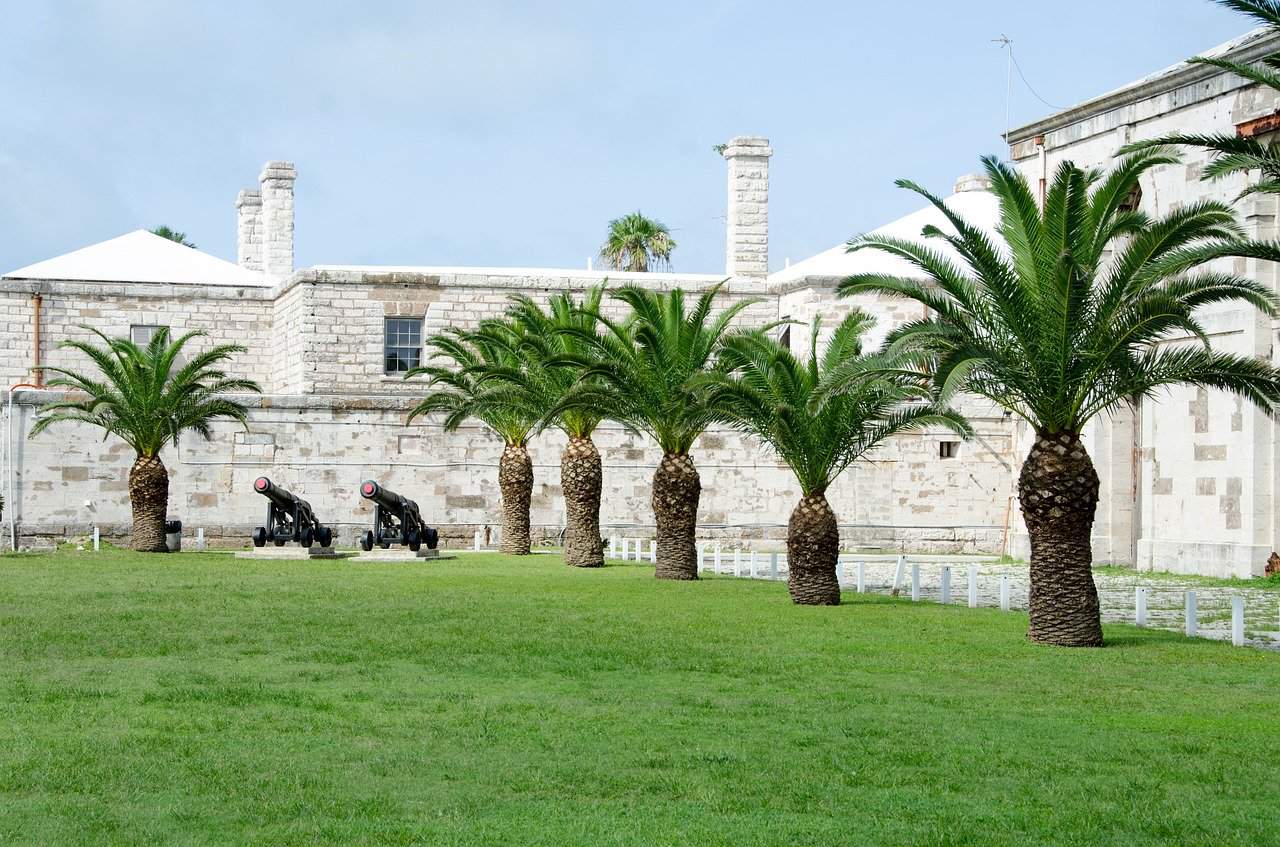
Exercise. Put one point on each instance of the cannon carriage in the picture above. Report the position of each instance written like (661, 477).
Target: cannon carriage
(289, 519)
(396, 520)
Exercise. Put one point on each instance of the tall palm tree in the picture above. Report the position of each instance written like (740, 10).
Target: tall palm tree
(1231, 153)
(636, 243)
(173, 235)
(1091, 306)
(455, 388)
(546, 339)
(641, 374)
(143, 396)
(790, 404)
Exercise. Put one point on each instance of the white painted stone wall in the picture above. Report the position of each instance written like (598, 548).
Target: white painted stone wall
(276, 182)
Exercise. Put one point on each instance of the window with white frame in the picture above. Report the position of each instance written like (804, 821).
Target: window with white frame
(142, 334)
(402, 348)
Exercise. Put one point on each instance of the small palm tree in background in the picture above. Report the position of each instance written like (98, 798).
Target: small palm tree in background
(641, 374)
(820, 415)
(637, 243)
(551, 341)
(1231, 153)
(456, 389)
(173, 235)
(142, 395)
(1085, 311)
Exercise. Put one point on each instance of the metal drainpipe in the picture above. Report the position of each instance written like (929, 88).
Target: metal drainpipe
(36, 302)
(11, 466)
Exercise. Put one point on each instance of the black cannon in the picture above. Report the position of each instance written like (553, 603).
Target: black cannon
(289, 518)
(396, 520)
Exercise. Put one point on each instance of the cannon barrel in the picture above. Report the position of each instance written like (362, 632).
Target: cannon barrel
(385, 497)
(276, 494)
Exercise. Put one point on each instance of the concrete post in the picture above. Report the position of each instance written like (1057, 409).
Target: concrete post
(946, 584)
(1140, 606)
(915, 583)
(862, 577)
(747, 230)
(773, 566)
(973, 586)
(1192, 619)
(1237, 620)
(1004, 593)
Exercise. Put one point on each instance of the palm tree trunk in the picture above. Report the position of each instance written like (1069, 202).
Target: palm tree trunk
(580, 478)
(813, 549)
(149, 499)
(676, 489)
(515, 479)
(1058, 491)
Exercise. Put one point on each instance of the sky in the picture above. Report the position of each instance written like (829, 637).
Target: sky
(509, 134)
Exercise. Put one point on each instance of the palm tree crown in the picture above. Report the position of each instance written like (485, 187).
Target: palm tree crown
(173, 235)
(142, 395)
(456, 387)
(642, 371)
(637, 243)
(825, 412)
(1064, 324)
(1231, 153)
(541, 345)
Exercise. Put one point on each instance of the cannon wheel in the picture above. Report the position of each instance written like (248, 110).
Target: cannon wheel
(414, 539)
(279, 542)
(324, 536)
(260, 537)
(366, 540)
(432, 537)
(307, 537)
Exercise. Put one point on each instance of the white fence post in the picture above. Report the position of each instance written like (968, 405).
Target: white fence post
(973, 586)
(699, 567)
(1140, 606)
(97, 539)
(1192, 620)
(773, 566)
(915, 583)
(897, 575)
(946, 584)
(737, 561)
(653, 551)
(862, 578)
(1004, 593)
(475, 542)
(199, 539)
(715, 563)
(1237, 620)
(755, 568)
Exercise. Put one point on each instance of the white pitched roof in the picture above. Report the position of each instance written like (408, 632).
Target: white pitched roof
(972, 201)
(141, 256)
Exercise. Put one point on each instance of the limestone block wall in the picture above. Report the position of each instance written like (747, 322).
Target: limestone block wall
(228, 314)
(906, 497)
(345, 311)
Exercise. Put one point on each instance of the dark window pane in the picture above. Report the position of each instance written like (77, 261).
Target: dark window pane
(402, 347)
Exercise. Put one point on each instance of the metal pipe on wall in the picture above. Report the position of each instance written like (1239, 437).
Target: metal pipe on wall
(37, 301)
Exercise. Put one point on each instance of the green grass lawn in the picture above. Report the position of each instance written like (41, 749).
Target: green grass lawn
(199, 699)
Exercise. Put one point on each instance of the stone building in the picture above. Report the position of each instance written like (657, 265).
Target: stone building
(1187, 479)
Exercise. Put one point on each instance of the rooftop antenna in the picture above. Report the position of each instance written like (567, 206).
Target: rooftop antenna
(1006, 44)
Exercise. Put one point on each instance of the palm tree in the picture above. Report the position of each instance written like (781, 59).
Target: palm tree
(635, 243)
(1091, 306)
(641, 374)
(546, 339)
(173, 235)
(143, 396)
(1231, 153)
(456, 389)
(821, 415)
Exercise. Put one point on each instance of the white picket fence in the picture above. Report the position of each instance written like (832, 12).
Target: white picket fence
(853, 573)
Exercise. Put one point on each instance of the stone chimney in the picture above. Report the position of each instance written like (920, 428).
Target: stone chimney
(249, 230)
(277, 217)
(747, 242)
